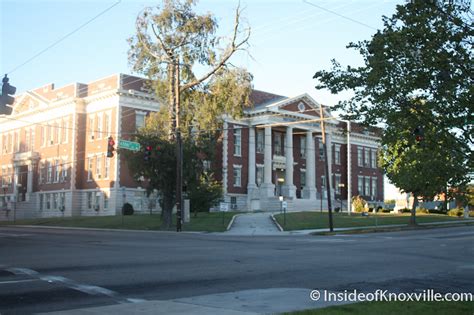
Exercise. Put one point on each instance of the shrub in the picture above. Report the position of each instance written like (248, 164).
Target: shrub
(437, 211)
(358, 204)
(380, 209)
(127, 209)
(385, 210)
(337, 209)
(457, 212)
(422, 210)
(404, 210)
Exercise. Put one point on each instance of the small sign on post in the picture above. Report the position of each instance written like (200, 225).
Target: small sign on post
(224, 207)
(284, 205)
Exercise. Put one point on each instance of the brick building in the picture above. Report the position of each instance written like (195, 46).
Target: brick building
(54, 145)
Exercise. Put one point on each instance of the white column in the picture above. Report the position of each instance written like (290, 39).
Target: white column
(309, 191)
(29, 184)
(268, 188)
(252, 189)
(289, 190)
(252, 163)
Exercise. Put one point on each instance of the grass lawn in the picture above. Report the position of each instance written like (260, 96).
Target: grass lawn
(395, 308)
(207, 222)
(318, 220)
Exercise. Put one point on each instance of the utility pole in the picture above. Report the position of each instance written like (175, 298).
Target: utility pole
(179, 153)
(326, 168)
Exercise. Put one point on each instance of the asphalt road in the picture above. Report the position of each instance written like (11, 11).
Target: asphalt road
(43, 270)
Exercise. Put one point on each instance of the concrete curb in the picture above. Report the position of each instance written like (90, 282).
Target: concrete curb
(94, 229)
(276, 223)
(229, 226)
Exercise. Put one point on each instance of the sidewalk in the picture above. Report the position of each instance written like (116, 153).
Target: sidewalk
(245, 302)
(259, 223)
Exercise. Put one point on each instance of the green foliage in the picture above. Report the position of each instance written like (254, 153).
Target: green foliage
(358, 204)
(422, 210)
(457, 212)
(205, 194)
(389, 202)
(417, 73)
(127, 209)
(170, 43)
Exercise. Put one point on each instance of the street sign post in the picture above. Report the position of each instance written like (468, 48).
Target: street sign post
(129, 145)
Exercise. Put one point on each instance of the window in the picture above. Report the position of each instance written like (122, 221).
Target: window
(260, 141)
(98, 167)
(27, 140)
(337, 182)
(374, 187)
(360, 185)
(66, 131)
(302, 178)
(43, 136)
(303, 147)
(57, 133)
(56, 171)
(89, 169)
(337, 154)
(259, 175)
(99, 126)
(367, 157)
(107, 124)
(367, 186)
(55, 201)
(64, 171)
(91, 128)
(62, 201)
(374, 158)
(359, 157)
(139, 119)
(321, 150)
(323, 182)
(89, 200)
(17, 141)
(49, 177)
(41, 172)
(237, 141)
(106, 201)
(51, 134)
(107, 168)
(237, 176)
(41, 201)
(48, 201)
(277, 144)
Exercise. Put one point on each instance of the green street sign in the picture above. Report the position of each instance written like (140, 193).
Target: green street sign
(129, 145)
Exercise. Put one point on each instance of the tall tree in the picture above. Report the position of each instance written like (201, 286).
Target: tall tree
(417, 75)
(172, 43)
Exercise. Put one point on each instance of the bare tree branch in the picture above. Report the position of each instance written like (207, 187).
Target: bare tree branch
(230, 51)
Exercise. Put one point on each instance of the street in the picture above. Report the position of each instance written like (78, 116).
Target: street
(45, 270)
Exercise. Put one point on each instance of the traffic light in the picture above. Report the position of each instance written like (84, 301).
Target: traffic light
(419, 134)
(110, 147)
(5, 98)
(148, 150)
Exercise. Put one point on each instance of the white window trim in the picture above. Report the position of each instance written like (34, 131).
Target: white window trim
(237, 167)
(237, 130)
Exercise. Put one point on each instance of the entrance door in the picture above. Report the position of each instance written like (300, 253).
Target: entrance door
(22, 182)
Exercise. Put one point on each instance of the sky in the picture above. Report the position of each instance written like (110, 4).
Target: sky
(290, 40)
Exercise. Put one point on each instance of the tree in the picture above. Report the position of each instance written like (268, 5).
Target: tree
(417, 73)
(171, 44)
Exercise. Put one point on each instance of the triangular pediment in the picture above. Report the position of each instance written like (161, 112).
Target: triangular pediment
(302, 104)
(29, 101)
